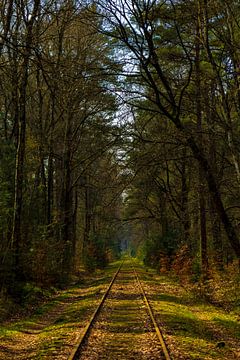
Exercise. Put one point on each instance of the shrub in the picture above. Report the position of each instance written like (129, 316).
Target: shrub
(96, 254)
(159, 250)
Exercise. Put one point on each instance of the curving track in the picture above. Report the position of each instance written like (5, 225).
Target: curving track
(123, 326)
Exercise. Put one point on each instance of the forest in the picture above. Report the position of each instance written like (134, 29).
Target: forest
(119, 133)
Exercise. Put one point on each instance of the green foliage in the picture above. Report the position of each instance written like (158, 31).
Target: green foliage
(28, 294)
(95, 253)
(196, 269)
(31, 294)
(151, 252)
(158, 246)
(44, 255)
(220, 287)
(223, 287)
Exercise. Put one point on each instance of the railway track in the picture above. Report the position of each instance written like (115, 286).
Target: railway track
(123, 325)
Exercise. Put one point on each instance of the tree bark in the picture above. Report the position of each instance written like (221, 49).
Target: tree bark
(184, 200)
(87, 226)
(214, 218)
(201, 185)
(20, 154)
(67, 204)
(215, 194)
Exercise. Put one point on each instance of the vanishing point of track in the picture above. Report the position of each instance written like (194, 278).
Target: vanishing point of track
(84, 343)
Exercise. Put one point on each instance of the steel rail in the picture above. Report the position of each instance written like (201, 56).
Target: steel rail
(77, 347)
(157, 329)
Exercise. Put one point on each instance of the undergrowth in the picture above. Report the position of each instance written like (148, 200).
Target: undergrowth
(221, 288)
(30, 297)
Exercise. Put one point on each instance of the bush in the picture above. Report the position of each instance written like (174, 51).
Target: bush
(30, 294)
(158, 250)
(96, 254)
(151, 253)
(223, 287)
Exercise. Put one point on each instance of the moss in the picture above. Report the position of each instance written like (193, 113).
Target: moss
(196, 326)
(7, 332)
(228, 323)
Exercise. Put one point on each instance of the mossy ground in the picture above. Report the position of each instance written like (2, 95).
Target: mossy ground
(51, 330)
(194, 328)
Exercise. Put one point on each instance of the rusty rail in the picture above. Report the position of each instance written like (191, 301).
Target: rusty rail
(84, 334)
(157, 329)
(81, 338)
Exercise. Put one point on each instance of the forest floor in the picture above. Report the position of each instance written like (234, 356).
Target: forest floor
(193, 328)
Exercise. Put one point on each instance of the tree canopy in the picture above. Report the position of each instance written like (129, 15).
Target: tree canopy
(118, 125)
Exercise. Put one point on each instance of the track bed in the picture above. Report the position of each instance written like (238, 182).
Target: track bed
(123, 328)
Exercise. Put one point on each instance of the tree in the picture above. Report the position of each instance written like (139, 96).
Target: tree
(56, 124)
(136, 26)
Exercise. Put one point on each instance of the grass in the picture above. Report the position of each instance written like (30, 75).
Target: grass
(76, 314)
(45, 308)
(228, 324)
(6, 332)
(190, 325)
(78, 301)
(195, 327)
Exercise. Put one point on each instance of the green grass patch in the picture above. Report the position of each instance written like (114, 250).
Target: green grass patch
(229, 324)
(43, 309)
(196, 326)
(77, 312)
(79, 302)
(7, 332)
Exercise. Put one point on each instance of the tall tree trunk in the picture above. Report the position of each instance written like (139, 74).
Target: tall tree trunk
(50, 187)
(184, 199)
(201, 185)
(42, 173)
(20, 154)
(153, 74)
(74, 227)
(50, 196)
(217, 236)
(87, 226)
(67, 204)
(6, 22)
(224, 94)
(215, 194)
(18, 191)
(214, 218)
(163, 214)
